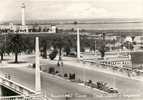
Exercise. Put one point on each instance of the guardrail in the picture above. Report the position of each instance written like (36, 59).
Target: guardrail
(18, 88)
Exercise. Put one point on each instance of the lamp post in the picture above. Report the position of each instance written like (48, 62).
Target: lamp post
(37, 69)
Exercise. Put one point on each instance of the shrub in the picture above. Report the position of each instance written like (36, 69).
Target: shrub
(72, 76)
(52, 70)
(53, 54)
(65, 75)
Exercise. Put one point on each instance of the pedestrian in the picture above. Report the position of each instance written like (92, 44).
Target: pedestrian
(129, 74)
(67, 96)
(58, 64)
(62, 64)
(9, 77)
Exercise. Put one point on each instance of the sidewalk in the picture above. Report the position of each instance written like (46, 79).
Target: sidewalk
(9, 61)
(8, 65)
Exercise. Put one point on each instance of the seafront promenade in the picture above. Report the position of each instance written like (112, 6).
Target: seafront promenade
(86, 71)
(52, 86)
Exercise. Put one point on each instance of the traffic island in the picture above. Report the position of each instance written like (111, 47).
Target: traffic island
(99, 85)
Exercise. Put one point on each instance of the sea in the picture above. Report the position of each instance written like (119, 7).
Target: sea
(90, 24)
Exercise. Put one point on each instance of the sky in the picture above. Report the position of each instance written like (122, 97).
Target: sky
(71, 9)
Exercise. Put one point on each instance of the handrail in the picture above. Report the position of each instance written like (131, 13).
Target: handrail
(22, 97)
(17, 84)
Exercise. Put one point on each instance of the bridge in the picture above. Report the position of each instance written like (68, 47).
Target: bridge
(17, 88)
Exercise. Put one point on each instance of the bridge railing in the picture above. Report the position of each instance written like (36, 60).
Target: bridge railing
(18, 88)
(22, 97)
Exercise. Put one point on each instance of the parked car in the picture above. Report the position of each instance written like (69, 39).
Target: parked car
(111, 90)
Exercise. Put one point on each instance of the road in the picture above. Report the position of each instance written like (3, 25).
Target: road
(125, 86)
(51, 85)
(57, 86)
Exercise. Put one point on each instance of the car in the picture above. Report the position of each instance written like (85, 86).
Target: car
(111, 90)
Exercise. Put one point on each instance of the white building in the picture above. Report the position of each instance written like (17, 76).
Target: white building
(118, 61)
(126, 59)
(52, 29)
(12, 27)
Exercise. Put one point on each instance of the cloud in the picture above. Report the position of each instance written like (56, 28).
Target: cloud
(64, 9)
(69, 10)
(86, 10)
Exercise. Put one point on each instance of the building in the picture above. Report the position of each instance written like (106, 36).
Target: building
(117, 59)
(138, 40)
(125, 59)
(12, 27)
(53, 29)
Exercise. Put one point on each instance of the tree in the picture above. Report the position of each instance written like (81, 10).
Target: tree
(129, 45)
(40, 29)
(16, 45)
(59, 44)
(102, 51)
(53, 54)
(75, 22)
(2, 50)
(44, 48)
(101, 46)
(3, 47)
(67, 50)
(28, 44)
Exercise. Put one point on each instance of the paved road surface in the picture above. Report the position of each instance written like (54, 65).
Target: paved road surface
(124, 85)
(58, 86)
(50, 84)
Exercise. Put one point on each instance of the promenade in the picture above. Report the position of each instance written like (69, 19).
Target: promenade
(89, 71)
(23, 73)
(52, 86)
(96, 67)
